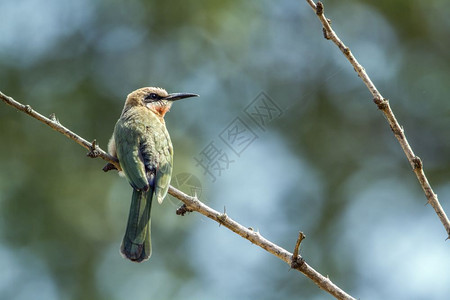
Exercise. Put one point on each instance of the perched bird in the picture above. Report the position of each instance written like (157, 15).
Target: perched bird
(142, 145)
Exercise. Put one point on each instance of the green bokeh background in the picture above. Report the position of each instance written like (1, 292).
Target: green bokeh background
(329, 165)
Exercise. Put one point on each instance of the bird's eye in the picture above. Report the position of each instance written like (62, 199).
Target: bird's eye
(152, 96)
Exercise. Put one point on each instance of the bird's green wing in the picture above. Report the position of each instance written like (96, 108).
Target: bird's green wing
(130, 158)
(163, 176)
(163, 152)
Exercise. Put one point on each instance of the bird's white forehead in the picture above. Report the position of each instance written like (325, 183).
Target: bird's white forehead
(156, 90)
(147, 90)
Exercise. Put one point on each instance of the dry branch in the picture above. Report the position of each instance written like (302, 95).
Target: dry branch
(53, 122)
(383, 105)
(193, 204)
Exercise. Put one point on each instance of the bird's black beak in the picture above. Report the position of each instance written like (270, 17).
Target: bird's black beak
(178, 96)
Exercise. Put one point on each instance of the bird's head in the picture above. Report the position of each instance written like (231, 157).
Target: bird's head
(155, 99)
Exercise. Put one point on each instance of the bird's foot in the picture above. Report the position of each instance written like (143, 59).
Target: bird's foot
(109, 167)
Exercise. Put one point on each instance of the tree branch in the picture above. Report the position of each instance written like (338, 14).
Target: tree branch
(193, 204)
(52, 121)
(383, 105)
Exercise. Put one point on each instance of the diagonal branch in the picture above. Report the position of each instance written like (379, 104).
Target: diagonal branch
(53, 122)
(383, 105)
(193, 204)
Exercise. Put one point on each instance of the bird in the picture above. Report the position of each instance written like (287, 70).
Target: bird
(142, 145)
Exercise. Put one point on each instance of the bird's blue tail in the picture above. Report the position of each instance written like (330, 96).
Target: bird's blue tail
(136, 245)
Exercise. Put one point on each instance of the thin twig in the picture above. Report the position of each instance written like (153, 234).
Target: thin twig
(383, 105)
(193, 204)
(296, 259)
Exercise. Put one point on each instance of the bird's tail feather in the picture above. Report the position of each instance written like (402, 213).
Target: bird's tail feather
(136, 245)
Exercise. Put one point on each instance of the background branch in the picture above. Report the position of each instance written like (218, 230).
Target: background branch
(383, 105)
(193, 204)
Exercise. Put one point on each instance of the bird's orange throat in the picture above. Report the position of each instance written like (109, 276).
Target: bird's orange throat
(162, 110)
(159, 110)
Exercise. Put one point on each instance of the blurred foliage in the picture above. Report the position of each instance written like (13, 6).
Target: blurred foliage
(329, 166)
